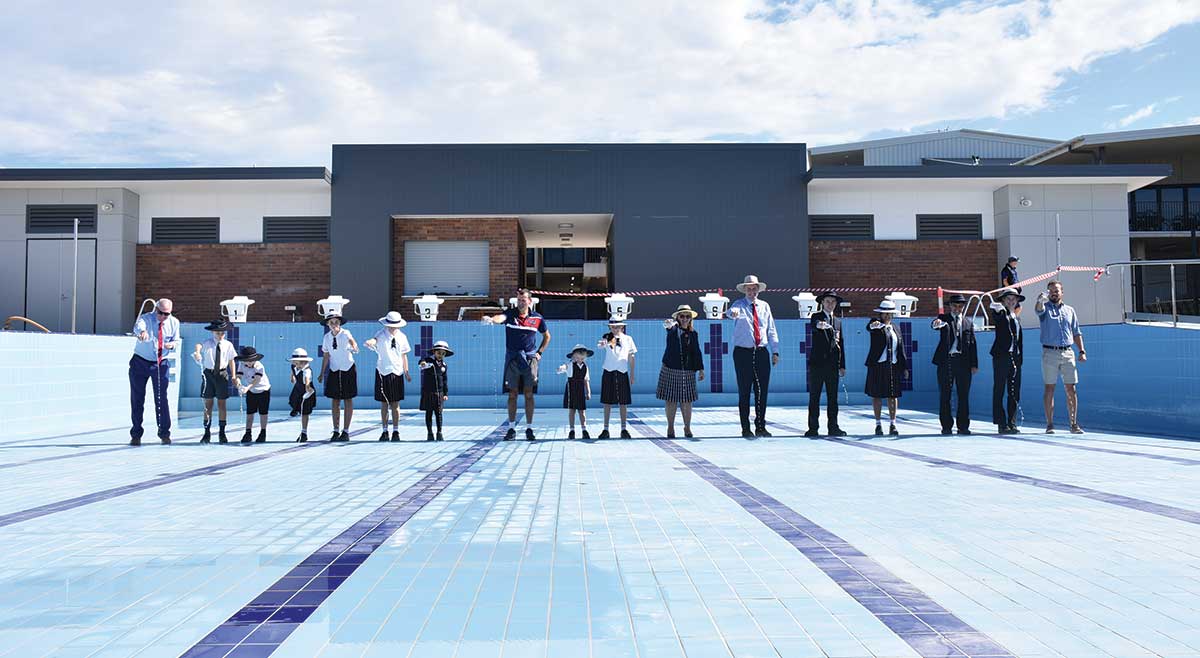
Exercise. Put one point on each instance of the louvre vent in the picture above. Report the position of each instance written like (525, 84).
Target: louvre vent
(841, 227)
(949, 227)
(185, 230)
(295, 229)
(60, 218)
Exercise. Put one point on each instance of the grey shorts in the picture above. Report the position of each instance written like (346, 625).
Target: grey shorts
(521, 379)
(1059, 362)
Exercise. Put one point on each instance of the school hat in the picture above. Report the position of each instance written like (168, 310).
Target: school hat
(393, 320)
(751, 280)
(219, 325)
(830, 293)
(579, 348)
(300, 354)
(886, 306)
(334, 316)
(614, 321)
(1009, 292)
(958, 298)
(442, 345)
(248, 354)
(684, 308)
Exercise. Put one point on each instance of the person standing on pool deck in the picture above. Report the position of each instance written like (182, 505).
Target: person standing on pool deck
(957, 360)
(680, 362)
(886, 364)
(616, 384)
(391, 369)
(339, 374)
(826, 364)
(1008, 353)
(753, 335)
(435, 387)
(521, 357)
(157, 334)
(303, 398)
(578, 389)
(215, 356)
(253, 383)
(1060, 329)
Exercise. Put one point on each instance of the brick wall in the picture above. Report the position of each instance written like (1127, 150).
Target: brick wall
(506, 257)
(901, 265)
(198, 276)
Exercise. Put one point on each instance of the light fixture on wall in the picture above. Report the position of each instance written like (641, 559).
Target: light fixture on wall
(107, 206)
(1025, 202)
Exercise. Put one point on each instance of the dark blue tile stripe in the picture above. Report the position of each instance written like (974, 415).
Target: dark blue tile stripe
(124, 490)
(264, 623)
(926, 626)
(1129, 502)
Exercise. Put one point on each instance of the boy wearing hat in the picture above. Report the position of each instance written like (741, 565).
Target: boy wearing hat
(435, 388)
(391, 370)
(253, 383)
(216, 357)
(755, 352)
(826, 364)
(578, 389)
(957, 360)
(339, 374)
(1008, 353)
(616, 382)
(303, 398)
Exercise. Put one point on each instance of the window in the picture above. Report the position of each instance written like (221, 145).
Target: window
(1166, 208)
(949, 227)
(446, 267)
(59, 218)
(841, 227)
(185, 230)
(531, 258)
(295, 229)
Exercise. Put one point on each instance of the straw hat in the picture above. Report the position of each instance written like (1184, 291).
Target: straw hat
(614, 321)
(442, 345)
(886, 306)
(219, 325)
(751, 280)
(393, 320)
(684, 308)
(300, 354)
(579, 348)
(247, 354)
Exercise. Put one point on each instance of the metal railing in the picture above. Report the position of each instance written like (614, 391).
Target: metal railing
(1170, 265)
(1165, 216)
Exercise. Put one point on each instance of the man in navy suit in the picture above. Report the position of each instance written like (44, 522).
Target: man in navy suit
(957, 360)
(1008, 352)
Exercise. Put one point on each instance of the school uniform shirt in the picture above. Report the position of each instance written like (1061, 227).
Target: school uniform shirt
(304, 379)
(391, 348)
(743, 326)
(616, 357)
(216, 357)
(253, 376)
(340, 357)
(162, 336)
(884, 341)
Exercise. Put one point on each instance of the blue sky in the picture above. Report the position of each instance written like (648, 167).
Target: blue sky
(275, 82)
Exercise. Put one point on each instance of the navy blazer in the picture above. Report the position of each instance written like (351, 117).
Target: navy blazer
(879, 347)
(824, 350)
(966, 339)
(1005, 336)
(683, 350)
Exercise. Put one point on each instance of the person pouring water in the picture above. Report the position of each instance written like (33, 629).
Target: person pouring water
(753, 335)
(157, 335)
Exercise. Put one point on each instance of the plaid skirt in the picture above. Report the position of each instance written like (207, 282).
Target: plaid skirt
(676, 385)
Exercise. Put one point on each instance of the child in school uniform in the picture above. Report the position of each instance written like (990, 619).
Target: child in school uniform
(338, 348)
(391, 369)
(616, 384)
(578, 388)
(303, 398)
(434, 387)
(253, 383)
(216, 358)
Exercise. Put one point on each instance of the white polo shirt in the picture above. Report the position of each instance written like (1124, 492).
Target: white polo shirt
(246, 375)
(390, 362)
(616, 358)
(340, 357)
(209, 352)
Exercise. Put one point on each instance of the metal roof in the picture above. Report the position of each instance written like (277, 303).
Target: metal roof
(165, 174)
(923, 137)
(992, 171)
(1097, 139)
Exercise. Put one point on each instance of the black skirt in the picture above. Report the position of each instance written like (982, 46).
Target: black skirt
(575, 394)
(341, 384)
(883, 380)
(614, 388)
(300, 404)
(431, 401)
(389, 388)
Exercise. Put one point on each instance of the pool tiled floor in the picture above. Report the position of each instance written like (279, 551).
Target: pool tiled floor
(785, 546)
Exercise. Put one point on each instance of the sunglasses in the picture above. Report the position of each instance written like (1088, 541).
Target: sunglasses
(164, 313)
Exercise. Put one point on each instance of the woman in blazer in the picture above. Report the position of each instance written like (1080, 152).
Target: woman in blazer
(680, 363)
(886, 365)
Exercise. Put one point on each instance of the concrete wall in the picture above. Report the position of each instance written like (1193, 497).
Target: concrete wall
(896, 205)
(1094, 225)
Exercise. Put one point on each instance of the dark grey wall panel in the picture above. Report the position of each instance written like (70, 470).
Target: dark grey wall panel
(684, 216)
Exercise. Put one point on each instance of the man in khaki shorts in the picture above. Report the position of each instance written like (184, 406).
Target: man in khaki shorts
(1060, 330)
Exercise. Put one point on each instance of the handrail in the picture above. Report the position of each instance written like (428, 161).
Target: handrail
(8, 323)
(1169, 262)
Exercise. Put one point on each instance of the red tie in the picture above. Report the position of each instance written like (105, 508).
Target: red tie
(757, 333)
(160, 342)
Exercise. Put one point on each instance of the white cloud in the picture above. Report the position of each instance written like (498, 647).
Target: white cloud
(225, 82)
(1141, 113)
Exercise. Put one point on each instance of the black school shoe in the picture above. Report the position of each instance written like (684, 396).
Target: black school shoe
(603, 434)
(1012, 429)
(166, 440)
(964, 432)
(395, 435)
(383, 436)
(303, 438)
(262, 437)
(510, 434)
(207, 436)
(626, 435)
(439, 437)
(429, 436)
(248, 436)
(135, 441)
(586, 435)
(837, 431)
(221, 438)
(812, 434)
(345, 437)
(762, 432)
(529, 434)
(746, 433)
(893, 431)
(687, 434)
(571, 434)
(878, 429)
(335, 437)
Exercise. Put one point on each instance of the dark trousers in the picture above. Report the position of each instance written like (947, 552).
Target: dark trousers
(955, 374)
(1006, 379)
(822, 377)
(139, 371)
(753, 367)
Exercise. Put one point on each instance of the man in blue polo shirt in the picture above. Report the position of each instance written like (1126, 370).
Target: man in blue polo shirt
(157, 334)
(522, 354)
(1060, 330)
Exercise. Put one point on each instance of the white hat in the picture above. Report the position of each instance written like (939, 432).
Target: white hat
(442, 345)
(751, 280)
(886, 306)
(613, 319)
(300, 354)
(392, 319)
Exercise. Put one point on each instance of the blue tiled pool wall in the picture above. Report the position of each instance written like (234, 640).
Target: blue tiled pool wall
(57, 384)
(1137, 378)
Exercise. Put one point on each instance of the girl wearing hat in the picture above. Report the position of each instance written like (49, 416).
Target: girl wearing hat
(391, 369)
(252, 382)
(303, 398)
(434, 387)
(337, 371)
(616, 384)
(215, 356)
(680, 363)
(886, 364)
(578, 389)
(1008, 354)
